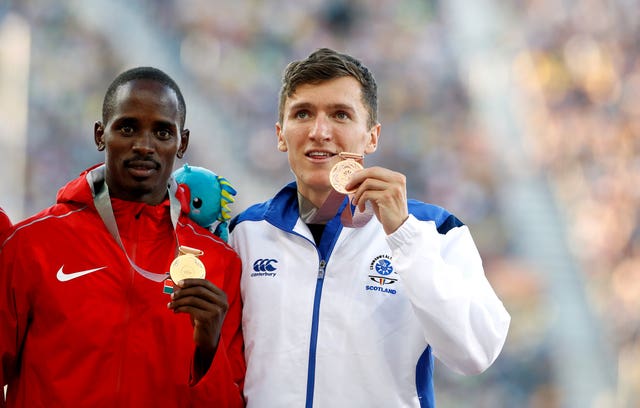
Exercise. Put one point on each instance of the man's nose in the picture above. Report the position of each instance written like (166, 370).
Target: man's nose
(144, 143)
(321, 128)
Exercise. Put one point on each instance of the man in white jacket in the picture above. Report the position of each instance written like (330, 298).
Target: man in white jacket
(349, 296)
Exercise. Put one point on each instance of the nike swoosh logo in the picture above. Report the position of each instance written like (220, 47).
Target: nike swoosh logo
(63, 277)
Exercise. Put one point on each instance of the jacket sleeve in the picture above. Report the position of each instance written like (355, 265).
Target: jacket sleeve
(222, 385)
(13, 317)
(461, 316)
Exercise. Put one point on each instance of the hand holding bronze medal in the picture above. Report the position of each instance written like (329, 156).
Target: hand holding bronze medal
(339, 177)
(187, 265)
(341, 172)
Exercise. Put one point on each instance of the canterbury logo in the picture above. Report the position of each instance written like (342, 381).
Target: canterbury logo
(264, 265)
(63, 277)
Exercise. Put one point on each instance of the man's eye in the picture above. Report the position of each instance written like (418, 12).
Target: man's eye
(163, 134)
(342, 115)
(302, 114)
(126, 130)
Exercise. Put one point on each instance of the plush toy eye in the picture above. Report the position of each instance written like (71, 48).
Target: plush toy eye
(197, 202)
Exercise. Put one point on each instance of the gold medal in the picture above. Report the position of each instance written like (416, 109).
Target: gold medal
(187, 265)
(341, 172)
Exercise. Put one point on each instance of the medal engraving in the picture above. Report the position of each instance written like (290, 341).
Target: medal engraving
(187, 265)
(341, 174)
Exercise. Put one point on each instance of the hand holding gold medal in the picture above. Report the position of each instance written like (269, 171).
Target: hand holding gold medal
(341, 172)
(187, 265)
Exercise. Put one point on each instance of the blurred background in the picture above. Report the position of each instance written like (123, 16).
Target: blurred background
(520, 117)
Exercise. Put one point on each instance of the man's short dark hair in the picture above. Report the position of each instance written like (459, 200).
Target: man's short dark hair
(325, 64)
(149, 73)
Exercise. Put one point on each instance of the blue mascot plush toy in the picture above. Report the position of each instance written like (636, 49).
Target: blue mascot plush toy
(209, 197)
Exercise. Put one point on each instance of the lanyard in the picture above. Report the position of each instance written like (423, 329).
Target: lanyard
(351, 216)
(102, 201)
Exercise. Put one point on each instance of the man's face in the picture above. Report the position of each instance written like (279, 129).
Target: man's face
(142, 139)
(320, 121)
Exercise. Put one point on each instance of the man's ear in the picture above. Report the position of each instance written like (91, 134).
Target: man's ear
(282, 144)
(184, 143)
(374, 135)
(98, 135)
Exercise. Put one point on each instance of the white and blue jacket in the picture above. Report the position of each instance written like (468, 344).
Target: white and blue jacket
(357, 320)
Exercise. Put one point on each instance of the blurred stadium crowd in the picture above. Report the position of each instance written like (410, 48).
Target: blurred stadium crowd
(579, 70)
(584, 128)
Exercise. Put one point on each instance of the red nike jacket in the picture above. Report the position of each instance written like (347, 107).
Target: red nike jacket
(79, 327)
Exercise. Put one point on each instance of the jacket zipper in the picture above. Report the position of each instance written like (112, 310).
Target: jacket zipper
(311, 371)
(126, 320)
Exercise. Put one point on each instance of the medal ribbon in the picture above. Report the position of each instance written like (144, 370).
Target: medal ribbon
(102, 201)
(351, 217)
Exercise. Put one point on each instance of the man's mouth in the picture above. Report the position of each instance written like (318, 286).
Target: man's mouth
(141, 168)
(316, 154)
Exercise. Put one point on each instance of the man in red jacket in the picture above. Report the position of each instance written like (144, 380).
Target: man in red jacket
(85, 317)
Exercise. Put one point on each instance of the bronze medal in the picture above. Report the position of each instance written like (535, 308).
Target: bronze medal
(341, 174)
(187, 265)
